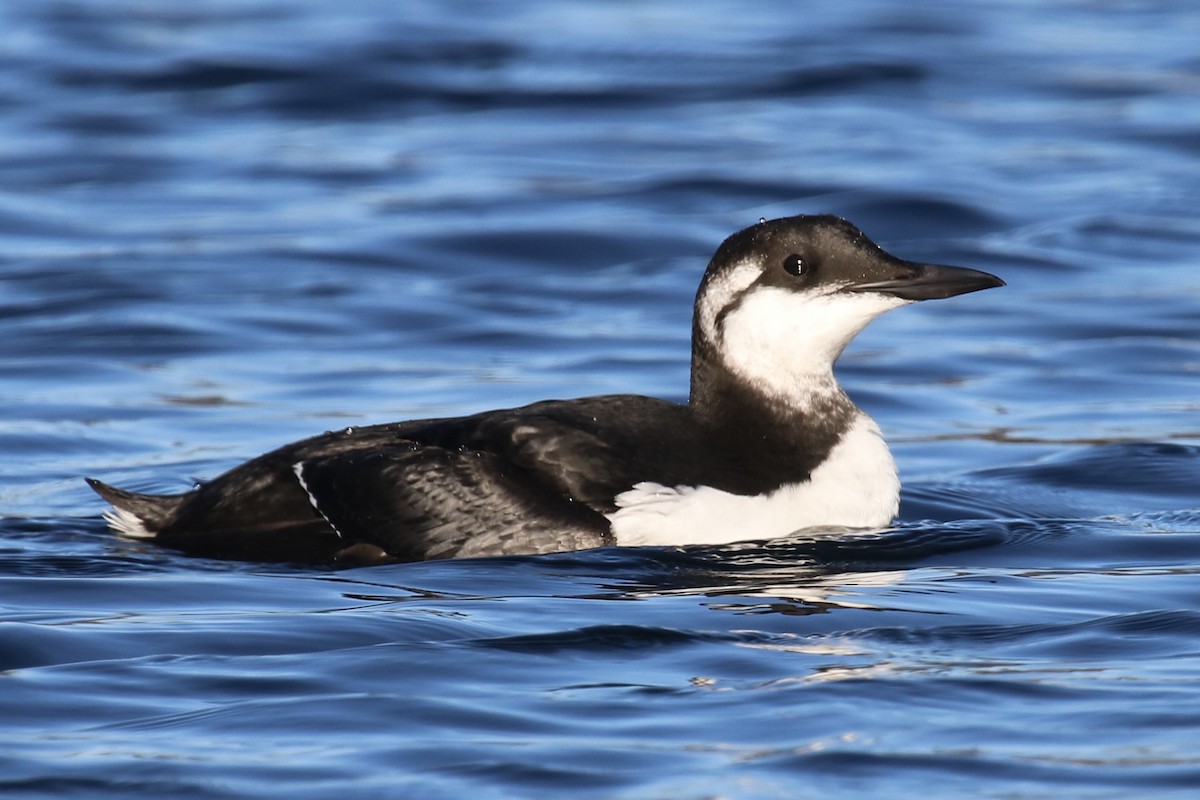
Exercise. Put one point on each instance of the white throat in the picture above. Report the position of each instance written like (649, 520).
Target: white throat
(784, 342)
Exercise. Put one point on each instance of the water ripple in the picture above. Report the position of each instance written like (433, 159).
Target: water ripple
(231, 224)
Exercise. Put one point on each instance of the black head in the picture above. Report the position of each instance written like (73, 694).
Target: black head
(827, 254)
(781, 300)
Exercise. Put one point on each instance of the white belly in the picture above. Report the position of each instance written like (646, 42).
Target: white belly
(856, 487)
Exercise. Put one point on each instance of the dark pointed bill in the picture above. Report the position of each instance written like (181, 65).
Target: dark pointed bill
(930, 282)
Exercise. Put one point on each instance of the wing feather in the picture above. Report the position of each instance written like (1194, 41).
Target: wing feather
(421, 502)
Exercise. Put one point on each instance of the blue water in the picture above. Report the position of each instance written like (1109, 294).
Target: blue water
(227, 224)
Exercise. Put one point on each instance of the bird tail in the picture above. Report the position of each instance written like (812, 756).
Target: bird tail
(138, 516)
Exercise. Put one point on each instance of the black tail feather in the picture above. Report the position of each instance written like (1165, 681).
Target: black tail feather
(154, 511)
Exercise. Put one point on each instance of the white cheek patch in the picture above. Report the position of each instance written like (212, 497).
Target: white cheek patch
(722, 292)
(856, 487)
(785, 342)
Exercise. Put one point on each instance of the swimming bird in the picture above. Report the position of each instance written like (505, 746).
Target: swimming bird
(767, 444)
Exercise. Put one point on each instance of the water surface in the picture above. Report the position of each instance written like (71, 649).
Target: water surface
(231, 223)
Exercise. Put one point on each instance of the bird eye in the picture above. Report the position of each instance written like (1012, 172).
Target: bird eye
(793, 264)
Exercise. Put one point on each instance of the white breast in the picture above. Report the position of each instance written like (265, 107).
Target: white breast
(856, 487)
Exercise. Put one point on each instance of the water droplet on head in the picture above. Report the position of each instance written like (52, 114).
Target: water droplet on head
(762, 220)
(348, 431)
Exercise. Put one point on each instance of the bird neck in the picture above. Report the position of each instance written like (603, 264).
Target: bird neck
(772, 392)
(782, 411)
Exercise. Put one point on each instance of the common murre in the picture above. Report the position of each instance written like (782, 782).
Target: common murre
(767, 444)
